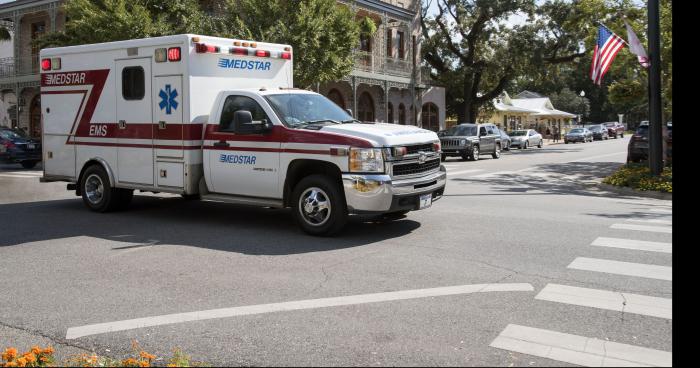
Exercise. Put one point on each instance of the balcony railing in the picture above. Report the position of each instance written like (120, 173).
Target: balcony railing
(369, 62)
(15, 67)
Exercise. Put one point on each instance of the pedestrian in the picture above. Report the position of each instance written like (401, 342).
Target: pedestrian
(549, 134)
(556, 134)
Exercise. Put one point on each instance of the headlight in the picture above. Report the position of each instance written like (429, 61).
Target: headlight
(463, 142)
(366, 160)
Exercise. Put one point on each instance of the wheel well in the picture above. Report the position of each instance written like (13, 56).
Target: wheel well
(299, 169)
(82, 171)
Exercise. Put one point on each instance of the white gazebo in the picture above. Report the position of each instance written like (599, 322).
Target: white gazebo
(544, 115)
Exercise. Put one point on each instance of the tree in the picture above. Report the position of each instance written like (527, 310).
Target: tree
(476, 54)
(321, 32)
(570, 101)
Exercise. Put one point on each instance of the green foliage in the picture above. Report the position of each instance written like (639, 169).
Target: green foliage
(638, 176)
(367, 26)
(322, 33)
(570, 101)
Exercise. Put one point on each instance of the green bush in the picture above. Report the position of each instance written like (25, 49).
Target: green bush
(638, 176)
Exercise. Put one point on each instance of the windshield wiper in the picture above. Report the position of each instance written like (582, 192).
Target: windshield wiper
(351, 121)
(313, 122)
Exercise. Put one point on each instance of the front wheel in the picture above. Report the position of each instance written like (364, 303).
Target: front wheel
(28, 164)
(525, 144)
(622, 135)
(319, 206)
(475, 154)
(540, 144)
(443, 158)
(497, 151)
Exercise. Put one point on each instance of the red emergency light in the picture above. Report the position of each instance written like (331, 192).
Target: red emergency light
(174, 54)
(45, 64)
(286, 55)
(202, 48)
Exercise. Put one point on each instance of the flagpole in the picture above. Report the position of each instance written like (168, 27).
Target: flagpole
(609, 30)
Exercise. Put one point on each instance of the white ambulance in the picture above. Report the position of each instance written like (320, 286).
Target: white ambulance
(218, 119)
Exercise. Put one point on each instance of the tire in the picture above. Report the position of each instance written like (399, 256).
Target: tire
(475, 154)
(566, 142)
(96, 191)
(28, 164)
(526, 144)
(622, 135)
(443, 158)
(308, 194)
(496, 152)
(540, 144)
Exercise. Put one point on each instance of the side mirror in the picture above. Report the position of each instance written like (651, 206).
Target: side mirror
(349, 111)
(243, 123)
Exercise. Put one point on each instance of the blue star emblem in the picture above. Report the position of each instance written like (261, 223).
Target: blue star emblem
(167, 99)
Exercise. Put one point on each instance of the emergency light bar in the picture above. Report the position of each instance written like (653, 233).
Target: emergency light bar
(241, 48)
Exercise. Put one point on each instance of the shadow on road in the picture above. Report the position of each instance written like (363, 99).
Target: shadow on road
(156, 220)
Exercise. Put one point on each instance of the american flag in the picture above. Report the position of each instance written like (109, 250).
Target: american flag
(604, 53)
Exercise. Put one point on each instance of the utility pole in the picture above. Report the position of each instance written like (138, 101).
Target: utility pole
(655, 133)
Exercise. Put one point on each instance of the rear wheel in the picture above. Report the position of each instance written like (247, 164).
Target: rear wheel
(525, 144)
(28, 164)
(98, 195)
(319, 205)
(539, 145)
(497, 151)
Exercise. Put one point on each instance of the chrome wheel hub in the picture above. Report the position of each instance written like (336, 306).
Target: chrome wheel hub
(94, 188)
(315, 206)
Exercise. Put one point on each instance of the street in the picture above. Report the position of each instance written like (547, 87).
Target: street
(524, 261)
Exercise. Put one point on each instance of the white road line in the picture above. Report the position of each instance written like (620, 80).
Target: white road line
(660, 210)
(18, 176)
(656, 229)
(99, 328)
(609, 300)
(574, 349)
(648, 246)
(493, 174)
(599, 156)
(452, 173)
(621, 268)
(652, 221)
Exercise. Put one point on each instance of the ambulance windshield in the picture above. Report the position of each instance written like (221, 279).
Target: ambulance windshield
(301, 109)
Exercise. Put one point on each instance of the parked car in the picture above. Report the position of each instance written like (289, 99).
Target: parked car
(615, 129)
(525, 138)
(582, 135)
(470, 140)
(17, 147)
(599, 131)
(505, 140)
(638, 147)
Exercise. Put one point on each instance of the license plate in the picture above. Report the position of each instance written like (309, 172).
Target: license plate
(31, 146)
(425, 201)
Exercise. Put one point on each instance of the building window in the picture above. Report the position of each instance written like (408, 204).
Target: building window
(133, 83)
(400, 40)
(431, 117)
(402, 114)
(414, 51)
(365, 107)
(335, 96)
(37, 29)
(389, 46)
(365, 43)
(391, 113)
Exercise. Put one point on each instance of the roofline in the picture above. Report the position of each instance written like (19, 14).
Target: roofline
(21, 4)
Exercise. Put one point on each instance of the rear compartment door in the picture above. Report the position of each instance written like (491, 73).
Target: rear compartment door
(168, 115)
(134, 121)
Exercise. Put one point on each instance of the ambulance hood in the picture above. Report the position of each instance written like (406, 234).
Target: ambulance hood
(382, 134)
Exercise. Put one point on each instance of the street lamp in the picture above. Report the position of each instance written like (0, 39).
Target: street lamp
(583, 107)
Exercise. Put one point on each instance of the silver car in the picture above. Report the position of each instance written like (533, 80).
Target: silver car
(582, 135)
(525, 138)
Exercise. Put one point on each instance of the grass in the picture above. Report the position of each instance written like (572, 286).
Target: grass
(638, 176)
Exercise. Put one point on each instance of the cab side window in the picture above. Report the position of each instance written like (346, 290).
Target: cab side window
(236, 103)
(490, 130)
(482, 131)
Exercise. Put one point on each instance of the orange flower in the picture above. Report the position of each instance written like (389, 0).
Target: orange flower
(144, 363)
(36, 350)
(11, 364)
(9, 354)
(48, 350)
(44, 359)
(129, 362)
(30, 357)
(145, 355)
(21, 362)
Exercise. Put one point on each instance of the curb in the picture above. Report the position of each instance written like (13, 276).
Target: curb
(634, 192)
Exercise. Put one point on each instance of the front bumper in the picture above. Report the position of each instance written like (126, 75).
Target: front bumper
(12, 157)
(576, 138)
(457, 151)
(517, 143)
(365, 193)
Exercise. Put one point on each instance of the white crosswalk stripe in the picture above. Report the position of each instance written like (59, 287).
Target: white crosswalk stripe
(454, 173)
(652, 221)
(574, 349)
(656, 229)
(660, 210)
(621, 268)
(633, 244)
(497, 173)
(608, 300)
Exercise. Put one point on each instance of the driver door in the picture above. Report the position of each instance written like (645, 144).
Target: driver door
(244, 164)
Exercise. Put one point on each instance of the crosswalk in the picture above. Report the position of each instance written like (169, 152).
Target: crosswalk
(580, 350)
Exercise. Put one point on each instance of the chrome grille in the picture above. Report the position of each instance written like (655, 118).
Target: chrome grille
(413, 168)
(420, 147)
(450, 142)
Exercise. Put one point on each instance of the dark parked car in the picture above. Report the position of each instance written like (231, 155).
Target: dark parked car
(470, 140)
(615, 129)
(599, 131)
(638, 147)
(505, 140)
(17, 147)
(582, 135)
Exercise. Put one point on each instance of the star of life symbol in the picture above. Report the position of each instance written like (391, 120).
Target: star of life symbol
(167, 99)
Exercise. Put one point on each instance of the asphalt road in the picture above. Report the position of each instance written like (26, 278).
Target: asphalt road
(528, 220)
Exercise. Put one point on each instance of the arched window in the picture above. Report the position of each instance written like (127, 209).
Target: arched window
(365, 107)
(390, 113)
(402, 114)
(430, 116)
(35, 117)
(335, 96)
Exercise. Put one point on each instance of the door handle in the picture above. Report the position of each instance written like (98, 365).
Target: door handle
(221, 144)
(122, 124)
